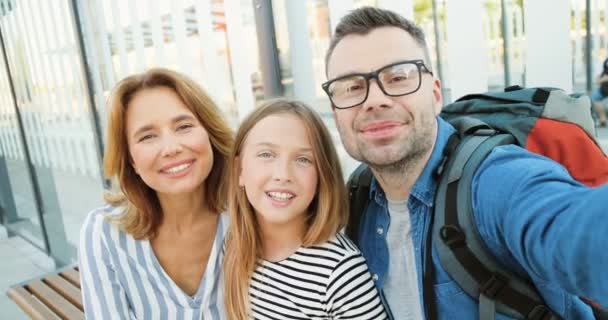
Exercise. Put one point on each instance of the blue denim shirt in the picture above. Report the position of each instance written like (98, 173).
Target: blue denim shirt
(532, 216)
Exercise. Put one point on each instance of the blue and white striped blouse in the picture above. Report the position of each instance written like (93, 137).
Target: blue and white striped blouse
(122, 279)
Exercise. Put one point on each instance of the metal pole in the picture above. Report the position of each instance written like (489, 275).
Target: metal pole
(35, 185)
(588, 46)
(438, 38)
(267, 44)
(94, 115)
(506, 42)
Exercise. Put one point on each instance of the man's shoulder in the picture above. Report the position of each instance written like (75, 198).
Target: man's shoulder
(513, 159)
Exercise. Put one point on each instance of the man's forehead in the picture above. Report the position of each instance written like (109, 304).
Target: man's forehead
(364, 53)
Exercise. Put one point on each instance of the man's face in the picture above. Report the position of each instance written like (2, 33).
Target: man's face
(384, 131)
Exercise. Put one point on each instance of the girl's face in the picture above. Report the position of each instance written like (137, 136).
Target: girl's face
(169, 148)
(278, 170)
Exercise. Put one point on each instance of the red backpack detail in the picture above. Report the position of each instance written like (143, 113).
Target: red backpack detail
(571, 146)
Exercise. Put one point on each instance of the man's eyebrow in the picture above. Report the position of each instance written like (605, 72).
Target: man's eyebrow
(353, 72)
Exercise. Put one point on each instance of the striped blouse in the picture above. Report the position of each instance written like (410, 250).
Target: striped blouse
(122, 278)
(328, 281)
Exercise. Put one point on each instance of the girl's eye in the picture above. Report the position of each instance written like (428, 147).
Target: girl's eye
(304, 160)
(265, 155)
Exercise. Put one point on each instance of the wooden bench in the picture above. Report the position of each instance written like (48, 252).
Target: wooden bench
(53, 296)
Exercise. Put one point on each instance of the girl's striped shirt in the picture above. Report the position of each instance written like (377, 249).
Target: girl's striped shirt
(327, 281)
(121, 277)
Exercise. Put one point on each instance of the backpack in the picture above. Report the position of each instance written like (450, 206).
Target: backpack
(604, 89)
(546, 121)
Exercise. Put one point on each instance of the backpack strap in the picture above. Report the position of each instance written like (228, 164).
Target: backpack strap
(462, 252)
(358, 194)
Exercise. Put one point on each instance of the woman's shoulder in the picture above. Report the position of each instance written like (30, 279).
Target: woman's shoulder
(224, 222)
(100, 217)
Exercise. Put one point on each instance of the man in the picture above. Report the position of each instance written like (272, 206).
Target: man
(532, 216)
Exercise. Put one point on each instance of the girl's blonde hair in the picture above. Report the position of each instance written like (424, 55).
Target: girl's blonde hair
(328, 210)
(143, 213)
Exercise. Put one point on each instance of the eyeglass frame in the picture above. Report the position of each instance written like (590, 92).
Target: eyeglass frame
(374, 75)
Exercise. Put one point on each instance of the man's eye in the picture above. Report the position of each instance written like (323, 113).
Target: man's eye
(399, 77)
(354, 87)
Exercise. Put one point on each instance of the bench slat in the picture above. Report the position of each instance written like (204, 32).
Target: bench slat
(54, 301)
(65, 288)
(32, 307)
(72, 275)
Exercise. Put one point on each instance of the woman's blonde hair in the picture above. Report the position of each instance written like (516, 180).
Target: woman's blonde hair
(143, 213)
(328, 210)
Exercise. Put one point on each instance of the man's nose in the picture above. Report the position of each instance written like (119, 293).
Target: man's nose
(376, 98)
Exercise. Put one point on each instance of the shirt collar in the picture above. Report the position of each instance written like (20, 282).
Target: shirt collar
(426, 185)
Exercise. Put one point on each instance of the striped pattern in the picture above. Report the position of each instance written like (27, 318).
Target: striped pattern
(329, 281)
(122, 279)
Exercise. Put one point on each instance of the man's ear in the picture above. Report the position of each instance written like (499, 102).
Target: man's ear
(437, 97)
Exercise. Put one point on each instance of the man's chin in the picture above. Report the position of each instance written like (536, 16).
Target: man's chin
(381, 160)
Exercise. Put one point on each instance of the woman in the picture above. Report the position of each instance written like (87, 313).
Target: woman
(287, 201)
(599, 95)
(154, 251)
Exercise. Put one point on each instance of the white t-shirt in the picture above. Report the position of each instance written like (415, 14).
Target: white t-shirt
(401, 286)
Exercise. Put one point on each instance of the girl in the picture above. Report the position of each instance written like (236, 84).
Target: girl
(153, 251)
(287, 201)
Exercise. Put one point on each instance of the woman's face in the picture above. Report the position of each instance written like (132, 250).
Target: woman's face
(169, 147)
(278, 170)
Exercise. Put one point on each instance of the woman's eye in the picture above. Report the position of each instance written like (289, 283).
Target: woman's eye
(184, 127)
(146, 137)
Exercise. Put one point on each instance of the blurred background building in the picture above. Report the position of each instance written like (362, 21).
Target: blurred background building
(61, 58)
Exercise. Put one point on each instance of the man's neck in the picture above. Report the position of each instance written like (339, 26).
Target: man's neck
(397, 181)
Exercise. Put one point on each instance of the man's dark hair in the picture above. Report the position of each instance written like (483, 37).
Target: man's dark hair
(363, 20)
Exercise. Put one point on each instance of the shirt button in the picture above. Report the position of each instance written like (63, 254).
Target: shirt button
(375, 277)
(380, 230)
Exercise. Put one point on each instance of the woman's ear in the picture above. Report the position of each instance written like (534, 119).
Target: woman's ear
(132, 164)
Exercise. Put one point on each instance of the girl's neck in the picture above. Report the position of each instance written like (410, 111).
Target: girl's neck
(279, 241)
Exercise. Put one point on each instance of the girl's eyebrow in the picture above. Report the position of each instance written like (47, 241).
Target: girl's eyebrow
(272, 145)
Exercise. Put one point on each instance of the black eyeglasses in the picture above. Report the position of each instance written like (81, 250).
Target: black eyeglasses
(396, 79)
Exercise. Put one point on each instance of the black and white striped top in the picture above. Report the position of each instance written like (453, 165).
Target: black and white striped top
(327, 281)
